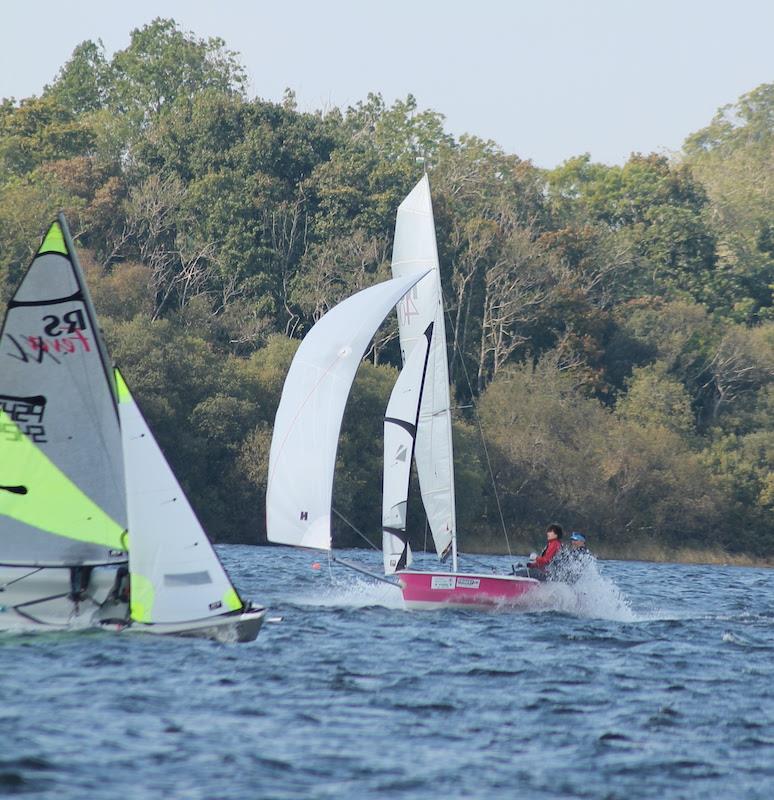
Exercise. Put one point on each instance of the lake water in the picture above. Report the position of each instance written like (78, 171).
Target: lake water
(650, 681)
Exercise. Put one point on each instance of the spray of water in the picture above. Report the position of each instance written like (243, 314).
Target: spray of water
(352, 591)
(588, 594)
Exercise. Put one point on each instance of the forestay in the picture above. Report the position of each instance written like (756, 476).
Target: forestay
(415, 252)
(62, 499)
(400, 427)
(308, 420)
(175, 574)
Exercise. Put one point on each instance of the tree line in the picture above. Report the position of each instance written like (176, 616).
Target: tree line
(611, 329)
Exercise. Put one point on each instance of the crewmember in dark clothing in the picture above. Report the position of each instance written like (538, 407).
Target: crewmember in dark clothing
(578, 542)
(573, 560)
(79, 583)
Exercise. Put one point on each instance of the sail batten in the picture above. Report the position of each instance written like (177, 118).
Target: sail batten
(308, 419)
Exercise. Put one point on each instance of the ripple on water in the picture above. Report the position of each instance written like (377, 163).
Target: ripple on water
(650, 681)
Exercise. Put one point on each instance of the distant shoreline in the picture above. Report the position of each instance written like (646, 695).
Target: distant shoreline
(656, 554)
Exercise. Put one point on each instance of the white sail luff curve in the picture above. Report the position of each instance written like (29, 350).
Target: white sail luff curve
(415, 251)
(306, 428)
(176, 575)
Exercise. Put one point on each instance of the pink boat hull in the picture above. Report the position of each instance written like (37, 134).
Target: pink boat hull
(427, 590)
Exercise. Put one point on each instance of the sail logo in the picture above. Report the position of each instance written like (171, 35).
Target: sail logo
(407, 307)
(65, 336)
(401, 454)
(76, 343)
(25, 415)
(70, 322)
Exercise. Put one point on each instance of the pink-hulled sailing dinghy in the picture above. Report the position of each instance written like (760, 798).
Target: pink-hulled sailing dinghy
(440, 589)
(417, 423)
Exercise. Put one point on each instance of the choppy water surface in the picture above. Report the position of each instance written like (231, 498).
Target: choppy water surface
(649, 681)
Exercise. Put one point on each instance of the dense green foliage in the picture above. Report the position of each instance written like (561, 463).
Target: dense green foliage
(614, 325)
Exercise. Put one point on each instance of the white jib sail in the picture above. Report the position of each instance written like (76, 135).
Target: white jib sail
(306, 429)
(400, 426)
(175, 574)
(415, 252)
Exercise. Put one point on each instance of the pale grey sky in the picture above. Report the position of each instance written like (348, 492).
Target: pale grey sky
(545, 79)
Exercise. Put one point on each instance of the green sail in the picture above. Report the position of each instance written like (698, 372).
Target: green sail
(47, 499)
(54, 241)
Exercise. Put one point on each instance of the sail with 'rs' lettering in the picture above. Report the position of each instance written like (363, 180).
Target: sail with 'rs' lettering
(62, 495)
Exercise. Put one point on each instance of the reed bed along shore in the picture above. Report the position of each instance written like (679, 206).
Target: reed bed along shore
(629, 551)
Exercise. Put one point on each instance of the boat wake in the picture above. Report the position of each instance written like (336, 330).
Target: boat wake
(352, 592)
(591, 595)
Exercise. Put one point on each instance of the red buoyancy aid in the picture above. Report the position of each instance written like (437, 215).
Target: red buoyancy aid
(548, 554)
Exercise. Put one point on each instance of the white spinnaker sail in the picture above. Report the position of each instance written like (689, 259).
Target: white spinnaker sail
(415, 252)
(400, 427)
(175, 574)
(306, 429)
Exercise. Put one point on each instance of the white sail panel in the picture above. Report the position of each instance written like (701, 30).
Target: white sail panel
(393, 549)
(400, 425)
(308, 420)
(175, 574)
(415, 251)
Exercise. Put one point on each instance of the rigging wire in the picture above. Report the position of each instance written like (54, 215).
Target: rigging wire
(359, 533)
(20, 578)
(469, 559)
(483, 438)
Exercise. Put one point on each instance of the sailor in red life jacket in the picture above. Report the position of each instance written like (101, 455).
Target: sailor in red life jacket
(538, 568)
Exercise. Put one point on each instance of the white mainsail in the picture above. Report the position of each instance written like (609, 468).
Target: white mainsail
(175, 574)
(62, 500)
(306, 428)
(415, 252)
(400, 427)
